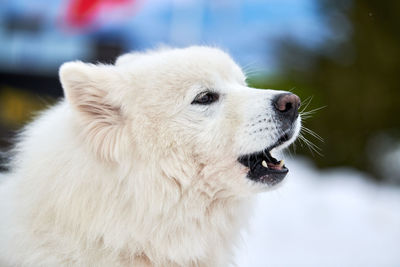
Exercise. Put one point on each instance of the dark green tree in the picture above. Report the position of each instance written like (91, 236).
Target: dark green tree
(354, 73)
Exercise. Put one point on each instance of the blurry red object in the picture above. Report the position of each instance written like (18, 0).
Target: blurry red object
(81, 13)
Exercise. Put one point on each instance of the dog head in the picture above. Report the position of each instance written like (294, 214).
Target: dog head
(186, 111)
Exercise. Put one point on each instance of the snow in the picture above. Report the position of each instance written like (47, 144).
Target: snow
(324, 218)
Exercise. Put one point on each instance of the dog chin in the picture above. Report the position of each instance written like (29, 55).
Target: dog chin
(263, 168)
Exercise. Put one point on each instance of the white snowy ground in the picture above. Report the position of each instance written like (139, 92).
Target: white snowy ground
(324, 219)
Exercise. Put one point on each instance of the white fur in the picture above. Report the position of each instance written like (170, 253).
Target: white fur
(127, 172)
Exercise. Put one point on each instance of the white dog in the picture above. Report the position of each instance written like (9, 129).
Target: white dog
(148, 162)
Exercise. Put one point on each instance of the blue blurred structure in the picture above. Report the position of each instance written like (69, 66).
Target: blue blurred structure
(33, 38)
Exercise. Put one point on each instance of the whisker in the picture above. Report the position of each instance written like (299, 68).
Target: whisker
(312, 133)
(305, 117)
(311, 111)
(305, 103)
(302, 140)
(289, 153)
(311, 146)
(294, 148)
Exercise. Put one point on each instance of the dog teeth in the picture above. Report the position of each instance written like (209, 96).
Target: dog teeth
(264, 163)
(281, 163)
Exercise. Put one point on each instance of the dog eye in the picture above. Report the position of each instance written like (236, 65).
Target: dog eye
(206, 98)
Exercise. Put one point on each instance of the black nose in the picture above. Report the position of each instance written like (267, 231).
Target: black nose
(287, 106)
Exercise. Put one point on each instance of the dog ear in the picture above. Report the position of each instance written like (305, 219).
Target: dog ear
(86, 88)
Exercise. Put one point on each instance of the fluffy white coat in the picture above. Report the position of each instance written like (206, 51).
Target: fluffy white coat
(126, 171)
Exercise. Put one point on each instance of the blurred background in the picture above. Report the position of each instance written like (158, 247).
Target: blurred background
(342, 57)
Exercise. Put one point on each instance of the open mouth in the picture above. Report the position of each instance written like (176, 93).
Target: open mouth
(263, 167)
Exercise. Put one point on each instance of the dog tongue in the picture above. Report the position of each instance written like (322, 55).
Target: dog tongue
(277, 166)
